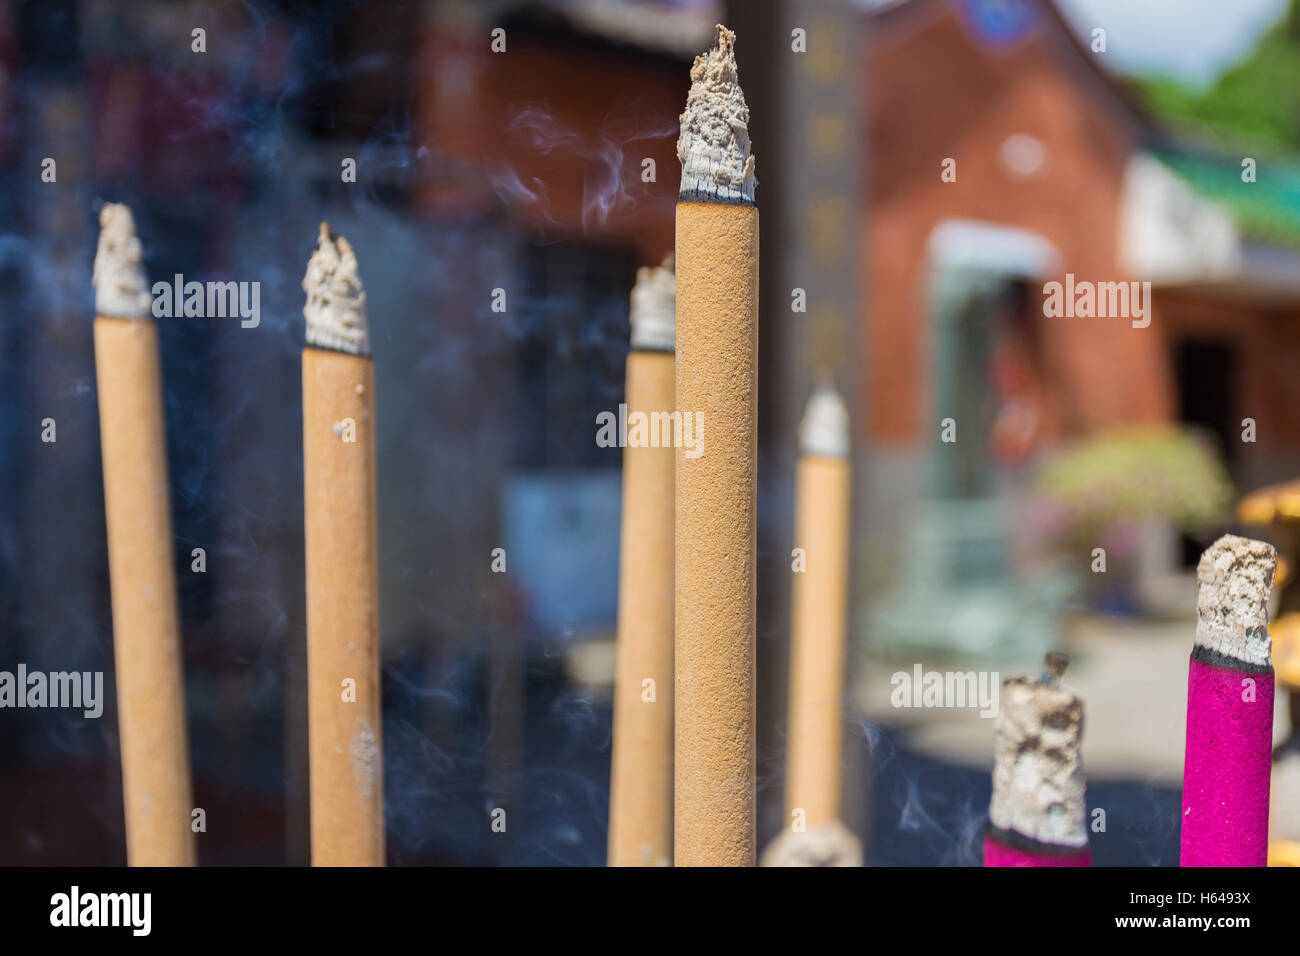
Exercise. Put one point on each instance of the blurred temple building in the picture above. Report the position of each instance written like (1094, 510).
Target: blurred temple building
(1003, 155)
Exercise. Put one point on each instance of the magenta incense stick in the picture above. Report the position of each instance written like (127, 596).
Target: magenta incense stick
(1229, 708)
(1037, 816)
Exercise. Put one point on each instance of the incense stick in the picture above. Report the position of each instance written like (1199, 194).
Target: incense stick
(717, 346)
(338, 404)
(641, 782)
(813, 834)
(1038, 816)
(146, 624)
(1229, 708)
(819, 611)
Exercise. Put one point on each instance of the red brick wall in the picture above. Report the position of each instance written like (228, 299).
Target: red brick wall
(934, 94)
(567, 151)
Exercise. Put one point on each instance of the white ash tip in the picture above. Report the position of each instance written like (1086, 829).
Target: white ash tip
(822, 844)
(336, 303)
(1235, 575)
(654, 308)
(1038, 783)
(121, 289)
(713, 145)
(824, 430)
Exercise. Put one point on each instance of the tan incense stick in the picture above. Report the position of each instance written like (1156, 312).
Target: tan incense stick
(641, 782)
(819, 611)
(717, 359)
(338, 424)
(146, 628)
(813, 834)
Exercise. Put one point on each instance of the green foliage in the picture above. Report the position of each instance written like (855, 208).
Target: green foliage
(1133, 475)
(1258, 99)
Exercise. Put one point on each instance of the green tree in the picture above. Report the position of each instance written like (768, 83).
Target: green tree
(1258, 99)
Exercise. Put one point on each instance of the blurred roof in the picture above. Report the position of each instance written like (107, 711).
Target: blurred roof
(1265, 208)
(679, 28)
(998, 25)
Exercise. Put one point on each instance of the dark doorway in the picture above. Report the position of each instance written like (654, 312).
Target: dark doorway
(1207, 387)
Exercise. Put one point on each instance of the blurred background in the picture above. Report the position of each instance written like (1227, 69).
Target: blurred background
(924, 168)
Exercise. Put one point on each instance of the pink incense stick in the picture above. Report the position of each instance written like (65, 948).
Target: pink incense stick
(1037, 815)
(1229, 708)
(999, 852)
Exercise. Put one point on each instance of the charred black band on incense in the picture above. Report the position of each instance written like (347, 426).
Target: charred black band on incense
(717, 363)
(338, 425)
(146, 622)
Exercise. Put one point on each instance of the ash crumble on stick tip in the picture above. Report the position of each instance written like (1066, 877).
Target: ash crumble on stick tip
(824, 430)
(822, 844)
(336, 303)
(653, 313)
(1235, 575)
(121, 289)
(713, 145)
(1038, 806)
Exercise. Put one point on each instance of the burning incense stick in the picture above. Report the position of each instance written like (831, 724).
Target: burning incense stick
(1284, 794)
(717, 351)
(338, 425)
(819, 612)
(146, 628)
(1038, 816)
(1229, 708)
(641, 786)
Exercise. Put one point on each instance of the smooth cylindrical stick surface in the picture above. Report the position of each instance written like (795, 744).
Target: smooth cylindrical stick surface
(717, 346)
(1228, 759)
(817, 638)
(346, 765)
(146, 628)
(641, 789)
